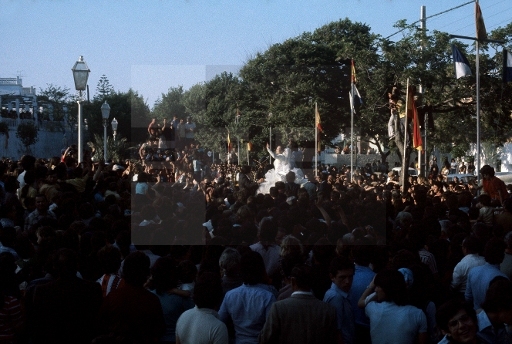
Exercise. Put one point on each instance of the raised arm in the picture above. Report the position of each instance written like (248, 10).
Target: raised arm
(272, 154)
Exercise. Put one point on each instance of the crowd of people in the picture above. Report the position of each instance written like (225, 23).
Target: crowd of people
(170, 248)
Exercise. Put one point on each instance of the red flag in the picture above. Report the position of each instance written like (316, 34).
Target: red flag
(481, 33)
(417, 141)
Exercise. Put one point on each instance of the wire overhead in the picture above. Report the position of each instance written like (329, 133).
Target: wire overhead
(432, 16)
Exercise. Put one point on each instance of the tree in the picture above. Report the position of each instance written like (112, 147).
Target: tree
(194, 100)
(219, 98)
(116, 150)
(290, 77)
(452, 102)
(170, 105)
(27, 134)
(130, 110)
(104, 89)
(56, 97)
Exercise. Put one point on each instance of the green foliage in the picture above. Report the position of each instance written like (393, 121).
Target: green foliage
(278, 88)
(129, 109)
(27, 133)
(104, 89)
(55, 97)
(115, 149)
(170, 105)
(459, 151)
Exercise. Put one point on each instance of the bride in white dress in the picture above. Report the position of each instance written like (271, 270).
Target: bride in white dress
(281, 167)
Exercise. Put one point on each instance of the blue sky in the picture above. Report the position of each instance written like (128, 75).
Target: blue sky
(152, 45)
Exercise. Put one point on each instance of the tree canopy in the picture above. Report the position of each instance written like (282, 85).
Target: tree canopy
(279, 87)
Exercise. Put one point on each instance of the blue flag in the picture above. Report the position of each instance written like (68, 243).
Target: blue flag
(507, 66)
(461, 63)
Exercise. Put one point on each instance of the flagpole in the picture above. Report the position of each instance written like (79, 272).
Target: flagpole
(405, 168)
(421, 163)
(352, 123)
(316, 140)
(478, 149)
(426, 171)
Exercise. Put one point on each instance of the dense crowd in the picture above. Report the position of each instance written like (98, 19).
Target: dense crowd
(172, 248)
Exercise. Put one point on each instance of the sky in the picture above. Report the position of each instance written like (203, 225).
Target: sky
(153, 45)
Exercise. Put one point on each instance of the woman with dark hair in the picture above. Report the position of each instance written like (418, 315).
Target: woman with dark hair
(392, 320)
(164, 278)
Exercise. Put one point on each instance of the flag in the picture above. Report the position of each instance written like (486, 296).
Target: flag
(355, 99)
(318, 125)
(461, 63)
(229, 143)
(249, 146)
(481, 33)
(507, 66)
(318, 128)
(417, 142)
(353, 72)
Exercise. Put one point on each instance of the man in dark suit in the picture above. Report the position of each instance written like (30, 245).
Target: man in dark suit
(245, 183)
(301, 318)
(65, 310)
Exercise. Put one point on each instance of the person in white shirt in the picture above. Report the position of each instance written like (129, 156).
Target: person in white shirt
(201, 324)
(470, 247)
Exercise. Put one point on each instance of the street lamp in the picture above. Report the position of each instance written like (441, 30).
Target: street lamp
(80, 75)
(114, 127)
(105, 113)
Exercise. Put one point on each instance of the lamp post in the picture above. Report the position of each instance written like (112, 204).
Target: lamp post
(105, 113)
(114, 127)
(80, 75)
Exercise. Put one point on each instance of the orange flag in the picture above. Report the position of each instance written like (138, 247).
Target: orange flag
(412, 112)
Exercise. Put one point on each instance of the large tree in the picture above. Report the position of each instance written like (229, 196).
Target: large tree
(103, 88)
(129, 109)
(289, 78)
(55, 98)
(171, 104)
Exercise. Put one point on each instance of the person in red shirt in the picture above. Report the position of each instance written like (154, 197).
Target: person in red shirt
(492, 185)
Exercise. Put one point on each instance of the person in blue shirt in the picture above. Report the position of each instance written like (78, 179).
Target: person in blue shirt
(341, 272)
(247, 306)
(362, 278)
